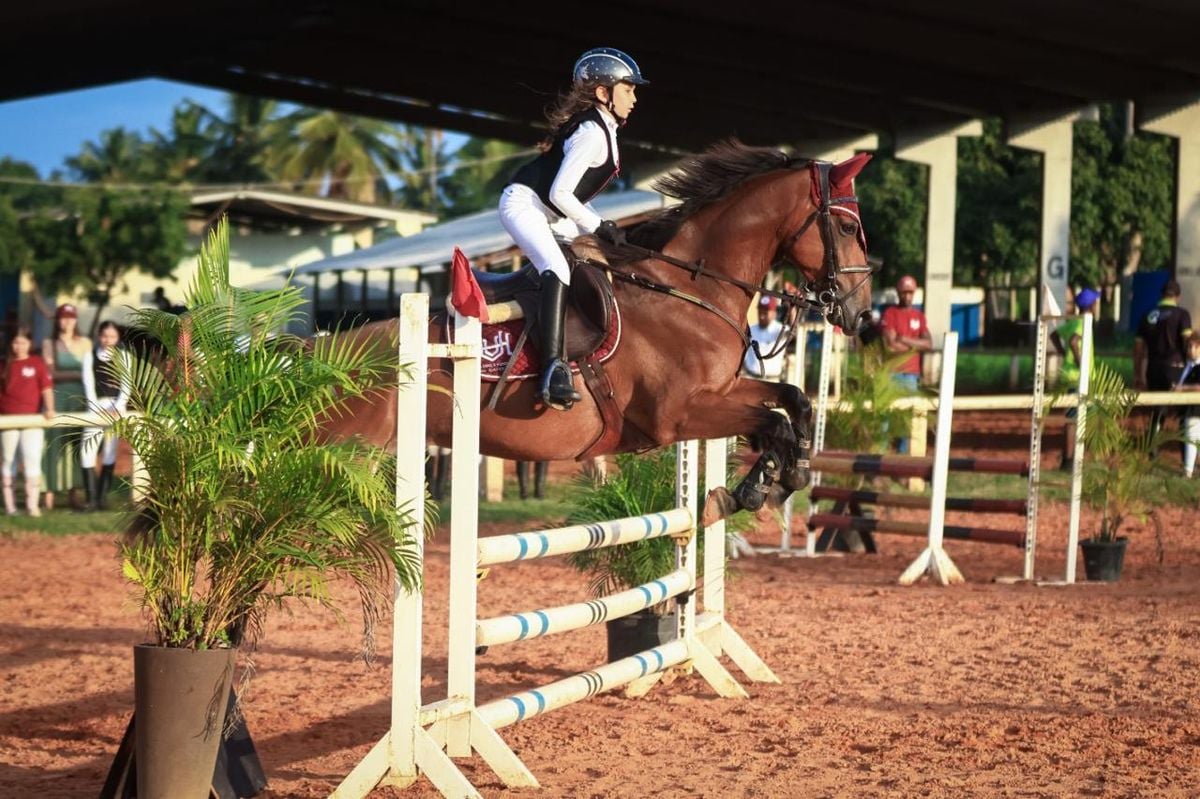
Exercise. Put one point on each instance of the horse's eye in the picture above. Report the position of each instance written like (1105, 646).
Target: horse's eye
(849, 228)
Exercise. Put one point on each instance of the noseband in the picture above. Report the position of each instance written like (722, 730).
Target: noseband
(823, 294)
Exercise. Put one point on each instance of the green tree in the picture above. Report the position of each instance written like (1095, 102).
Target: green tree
(1122, 190)
(95, 236)
(334, 154)
(480, 169)
(998, 216)
(423, 158)
(240, 139)
(180, 154)
(119, 156)
(892, 196)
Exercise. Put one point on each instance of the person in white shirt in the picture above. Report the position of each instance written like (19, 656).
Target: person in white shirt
(764, 365)
(549, 196)
(107, 395)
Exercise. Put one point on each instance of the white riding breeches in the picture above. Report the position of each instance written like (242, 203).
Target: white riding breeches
(99, 440)
(536, 229)
(31, 443)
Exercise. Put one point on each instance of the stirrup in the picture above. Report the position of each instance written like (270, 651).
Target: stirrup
(557, 390)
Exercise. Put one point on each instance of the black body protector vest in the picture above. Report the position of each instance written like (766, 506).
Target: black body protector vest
(539, 174)
(105, 381)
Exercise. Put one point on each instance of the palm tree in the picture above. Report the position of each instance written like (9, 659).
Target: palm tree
(334, 154)
(181, 154)
(240, 139)
(119, 156)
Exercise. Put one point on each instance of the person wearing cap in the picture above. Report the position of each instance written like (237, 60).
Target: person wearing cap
(64, 354)
(905, 329)
(1068, 340)
(549, 196)
(761, 361)
(1189, 380)
(1159, 351)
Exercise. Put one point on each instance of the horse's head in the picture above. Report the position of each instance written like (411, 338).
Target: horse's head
(830, 247)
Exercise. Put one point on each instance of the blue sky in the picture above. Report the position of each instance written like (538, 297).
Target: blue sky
(45, 130)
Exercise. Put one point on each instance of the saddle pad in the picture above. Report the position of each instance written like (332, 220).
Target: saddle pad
(499, 340)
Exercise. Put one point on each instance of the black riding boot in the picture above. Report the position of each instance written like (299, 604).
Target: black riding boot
(539, 479)
(523, 478)
(89, 489)
(557, 388)
(105, 483)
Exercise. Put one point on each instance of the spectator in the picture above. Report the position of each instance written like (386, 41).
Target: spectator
(28, 388)
(107, 394)
(1068, 339)
(1159, 349)
(765, 362)
(905, 329)
(1189, 380)
(64, 354)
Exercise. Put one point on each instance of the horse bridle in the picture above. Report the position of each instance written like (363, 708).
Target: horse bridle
(821, 295)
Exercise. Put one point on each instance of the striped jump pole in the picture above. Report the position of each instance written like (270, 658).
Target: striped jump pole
(968, 504)
(912, 466)
(959, 533)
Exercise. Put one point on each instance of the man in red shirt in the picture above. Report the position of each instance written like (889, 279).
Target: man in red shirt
(905, 330)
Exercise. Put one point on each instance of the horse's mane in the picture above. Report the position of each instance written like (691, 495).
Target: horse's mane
(701, 181)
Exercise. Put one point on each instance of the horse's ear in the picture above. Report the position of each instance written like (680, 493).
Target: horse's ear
(841, 174)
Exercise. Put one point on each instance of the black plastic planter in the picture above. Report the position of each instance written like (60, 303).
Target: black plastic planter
(1102, 560)
(638, 632)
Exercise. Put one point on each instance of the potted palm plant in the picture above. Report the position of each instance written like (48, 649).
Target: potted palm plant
(242, 506)
(1123, 476)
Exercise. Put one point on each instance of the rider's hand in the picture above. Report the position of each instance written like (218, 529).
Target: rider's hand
(609, 232)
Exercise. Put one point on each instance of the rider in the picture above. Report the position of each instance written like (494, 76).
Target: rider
(549, 194)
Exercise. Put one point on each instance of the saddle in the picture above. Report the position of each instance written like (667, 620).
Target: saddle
(591, 305)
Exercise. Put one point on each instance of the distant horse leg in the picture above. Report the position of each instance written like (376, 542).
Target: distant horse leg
(795, 474)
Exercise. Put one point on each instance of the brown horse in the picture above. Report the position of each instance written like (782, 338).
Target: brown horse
(675, 375)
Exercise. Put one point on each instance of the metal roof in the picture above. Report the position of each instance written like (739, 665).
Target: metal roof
(771, 72)
(476, 235)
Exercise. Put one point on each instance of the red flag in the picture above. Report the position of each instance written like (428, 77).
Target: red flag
(465, 294)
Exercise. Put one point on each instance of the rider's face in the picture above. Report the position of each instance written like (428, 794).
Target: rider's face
(624, 98)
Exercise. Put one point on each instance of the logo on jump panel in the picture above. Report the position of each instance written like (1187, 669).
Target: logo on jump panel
(497, 347)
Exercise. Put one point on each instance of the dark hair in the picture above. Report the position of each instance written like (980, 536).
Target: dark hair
(1171, 289)
(105, 325)
(580, 97)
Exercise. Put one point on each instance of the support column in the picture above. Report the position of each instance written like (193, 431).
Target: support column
(939, 152)
(1182, 121)
(841, 149)
(1052, 138)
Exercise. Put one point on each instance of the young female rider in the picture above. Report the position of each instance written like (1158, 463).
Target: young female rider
(549, 195)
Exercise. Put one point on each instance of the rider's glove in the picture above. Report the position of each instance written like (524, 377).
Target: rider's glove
(609, 232)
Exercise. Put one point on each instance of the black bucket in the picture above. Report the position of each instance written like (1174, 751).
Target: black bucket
(1102, 560)
(629, 635)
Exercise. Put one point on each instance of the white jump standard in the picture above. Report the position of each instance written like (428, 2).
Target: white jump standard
(457, 727)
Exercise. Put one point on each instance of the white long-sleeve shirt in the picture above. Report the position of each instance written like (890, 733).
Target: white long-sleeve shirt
(586, 148)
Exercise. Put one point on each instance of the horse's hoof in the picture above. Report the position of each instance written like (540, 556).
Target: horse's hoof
(796, 478)
(751, 496)
(718, 505)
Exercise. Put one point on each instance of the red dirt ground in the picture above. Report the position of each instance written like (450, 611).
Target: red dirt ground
(982, 689)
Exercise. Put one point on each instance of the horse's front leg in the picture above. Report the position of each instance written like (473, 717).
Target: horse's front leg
(750, 410)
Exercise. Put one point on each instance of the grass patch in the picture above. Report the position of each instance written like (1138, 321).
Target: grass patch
(63, 522)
